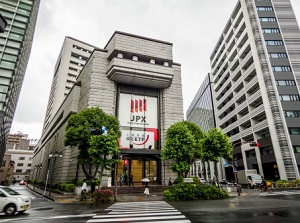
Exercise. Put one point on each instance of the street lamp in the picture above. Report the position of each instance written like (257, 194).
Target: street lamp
(54, 155)
(116, 176)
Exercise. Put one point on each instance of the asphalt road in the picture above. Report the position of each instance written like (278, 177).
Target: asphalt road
(271, 208)
(266, 207)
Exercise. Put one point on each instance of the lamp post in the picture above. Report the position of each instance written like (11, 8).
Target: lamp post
(55, 155)
(116, 177)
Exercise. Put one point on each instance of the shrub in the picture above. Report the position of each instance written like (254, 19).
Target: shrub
(69, 187)
(103, 195)
(185, 191)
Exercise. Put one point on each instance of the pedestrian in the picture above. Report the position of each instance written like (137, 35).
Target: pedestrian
(121, 180)
(170, 182)
(131, 179)
(147, 192)
(83, 191)
(263, 185)
(93, 186)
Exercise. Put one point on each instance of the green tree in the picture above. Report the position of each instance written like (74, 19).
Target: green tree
(78, 134)
(216, 145)
(182, 146)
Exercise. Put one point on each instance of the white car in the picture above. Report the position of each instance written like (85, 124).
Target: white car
(11, 201)
(202, 180)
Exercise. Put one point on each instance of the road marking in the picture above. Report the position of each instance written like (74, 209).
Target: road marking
(47, 218)
(277, 193)
(152, 211)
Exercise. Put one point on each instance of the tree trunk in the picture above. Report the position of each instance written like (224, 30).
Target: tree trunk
(204, 171)
(216, 173)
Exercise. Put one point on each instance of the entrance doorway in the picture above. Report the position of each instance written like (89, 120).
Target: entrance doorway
(139, 168)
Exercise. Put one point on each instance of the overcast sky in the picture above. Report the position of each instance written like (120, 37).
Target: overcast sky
(193, 26)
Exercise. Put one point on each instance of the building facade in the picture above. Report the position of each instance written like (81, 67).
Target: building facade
(135, 79)
(255, 73)
(15, 46)
(72, 58)
(201, 112)
(20, 149)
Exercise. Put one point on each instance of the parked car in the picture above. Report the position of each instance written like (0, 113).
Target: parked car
(22, 182)
(11, 201)
(226, 183)
(202, 180)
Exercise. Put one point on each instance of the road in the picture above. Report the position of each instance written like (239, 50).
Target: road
(281, 206)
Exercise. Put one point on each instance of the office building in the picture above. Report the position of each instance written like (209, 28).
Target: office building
(255, 74)
(201, 112)
(15, 46)
(135, 79)
(72, 58)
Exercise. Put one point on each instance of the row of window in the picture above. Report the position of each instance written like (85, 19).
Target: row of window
(80, 48)
(23, 158)
(291, 114)
(277, 55)
(274, 42)
(22, 164)
(75, 55)
(289, 97)
(267, 19)
(281, 68)
(294, 131)
(270, 30)
(264, 8)
(20, 171)
(285, 83)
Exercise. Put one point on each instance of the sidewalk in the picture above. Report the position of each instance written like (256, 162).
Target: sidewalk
(73, 198)
(56, 197)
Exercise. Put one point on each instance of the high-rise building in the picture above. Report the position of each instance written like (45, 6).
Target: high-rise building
(15, 46)
(72, 58)
(255, 70)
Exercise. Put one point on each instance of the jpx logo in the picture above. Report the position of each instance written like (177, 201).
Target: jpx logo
(138, 106)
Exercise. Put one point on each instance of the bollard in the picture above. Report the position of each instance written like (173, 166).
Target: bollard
(239, 190)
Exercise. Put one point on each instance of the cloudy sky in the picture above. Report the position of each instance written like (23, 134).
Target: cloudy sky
(193, 26)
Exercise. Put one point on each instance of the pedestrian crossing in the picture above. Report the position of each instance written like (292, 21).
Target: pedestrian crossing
(277, 193)
(151, 211)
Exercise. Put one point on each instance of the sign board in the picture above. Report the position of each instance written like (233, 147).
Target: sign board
(225, 164)
(188, 180)
(138, 111)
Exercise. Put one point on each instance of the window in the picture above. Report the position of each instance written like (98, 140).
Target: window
(274, 30)
(274, 42)
(264, 8)
(18, 171)
(20, 164)
(285, 83)
(29, 164)
(292, 97)
(277, 55)
(294, 131)
(291, 114)
(267, 19)
(296, 149)
(281, 68)
(21, 158)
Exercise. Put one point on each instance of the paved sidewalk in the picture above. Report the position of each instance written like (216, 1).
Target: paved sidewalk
(73, 198)
(56, 197)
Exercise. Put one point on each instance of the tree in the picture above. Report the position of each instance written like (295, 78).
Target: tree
(183, 145)
(216, 145)
(78, 133)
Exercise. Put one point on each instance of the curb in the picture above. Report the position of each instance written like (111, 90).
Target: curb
(46, 196)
